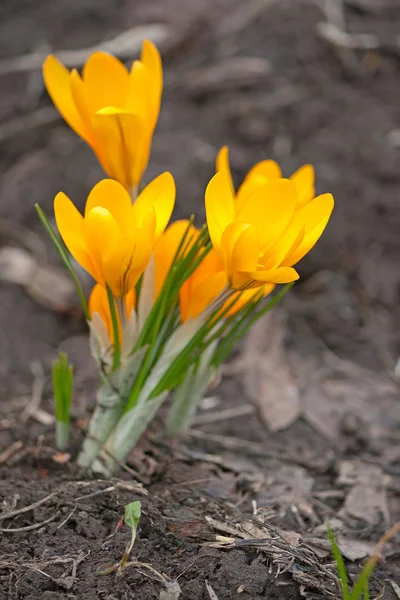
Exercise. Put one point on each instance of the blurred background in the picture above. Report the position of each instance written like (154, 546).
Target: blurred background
(298, 81)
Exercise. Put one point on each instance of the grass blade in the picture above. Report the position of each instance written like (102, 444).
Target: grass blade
(341, 568)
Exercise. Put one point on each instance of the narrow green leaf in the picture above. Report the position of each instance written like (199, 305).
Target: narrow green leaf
(361, 586)
(341, 568)
(65, 258)
(114, 322)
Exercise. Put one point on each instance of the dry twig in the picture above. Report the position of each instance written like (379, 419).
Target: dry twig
(25, 509)
(30, 527)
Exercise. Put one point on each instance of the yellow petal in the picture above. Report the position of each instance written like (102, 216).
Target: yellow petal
(102, 235)
(280, 275)
(106, 81)
(138, 98)
(303, 179)
(122, 137)
(264, 171)
(313, 217)
(110, 194)
(57, 82)
(79, 97)
(125, 262)
(202, 295)
(166, 248)
(98, 303)
(246, 297)
(283, 248)
(70, 225)
(270, 209)
(240, 247)
(220, 208)
(151, 59)
(158, 195)
(222, 164)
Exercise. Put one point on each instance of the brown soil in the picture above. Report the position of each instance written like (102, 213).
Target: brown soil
(339, 459)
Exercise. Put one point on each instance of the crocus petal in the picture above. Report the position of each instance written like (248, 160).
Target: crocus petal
(247, 296)
(303, 179)
(220, 208)
(151, 59)
(283, 248)
(158, 195)
(280, 275)
(266, 169)
(166, 248)
(126, 261)
(138, 97)
(122, 135)
(101, 235)
(110, 194)
(222, 164)
(240, 247)
(57, 82)
(70, 225)
(78, 92)
(313, 217)
(98, 303)
(106, 81)
(202, 295)
(270, 209)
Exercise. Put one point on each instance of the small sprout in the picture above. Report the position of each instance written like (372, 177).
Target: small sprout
(62, 373)
(132, 518)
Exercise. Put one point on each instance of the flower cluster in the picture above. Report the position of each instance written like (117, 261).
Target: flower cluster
(170, 300)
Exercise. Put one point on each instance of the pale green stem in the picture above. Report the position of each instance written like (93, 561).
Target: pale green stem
(103, 420)
(188, 395)
(120, 447)
(62, 435)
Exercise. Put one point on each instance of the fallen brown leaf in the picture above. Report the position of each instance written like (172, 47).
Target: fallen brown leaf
(267, 375)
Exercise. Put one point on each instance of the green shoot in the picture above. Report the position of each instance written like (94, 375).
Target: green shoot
(62, 374)
(65, 258)
(361, 585)
(341, 568)
(132, 518)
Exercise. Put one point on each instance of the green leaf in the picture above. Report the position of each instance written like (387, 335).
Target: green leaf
(65, 257)
(132, 515)
(341, 568)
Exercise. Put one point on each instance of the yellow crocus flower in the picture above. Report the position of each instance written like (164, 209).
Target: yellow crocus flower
(114, 239)
(112, 109)
(261, 233)
(206, 282)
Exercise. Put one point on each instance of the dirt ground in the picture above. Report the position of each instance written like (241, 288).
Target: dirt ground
(305, 425)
